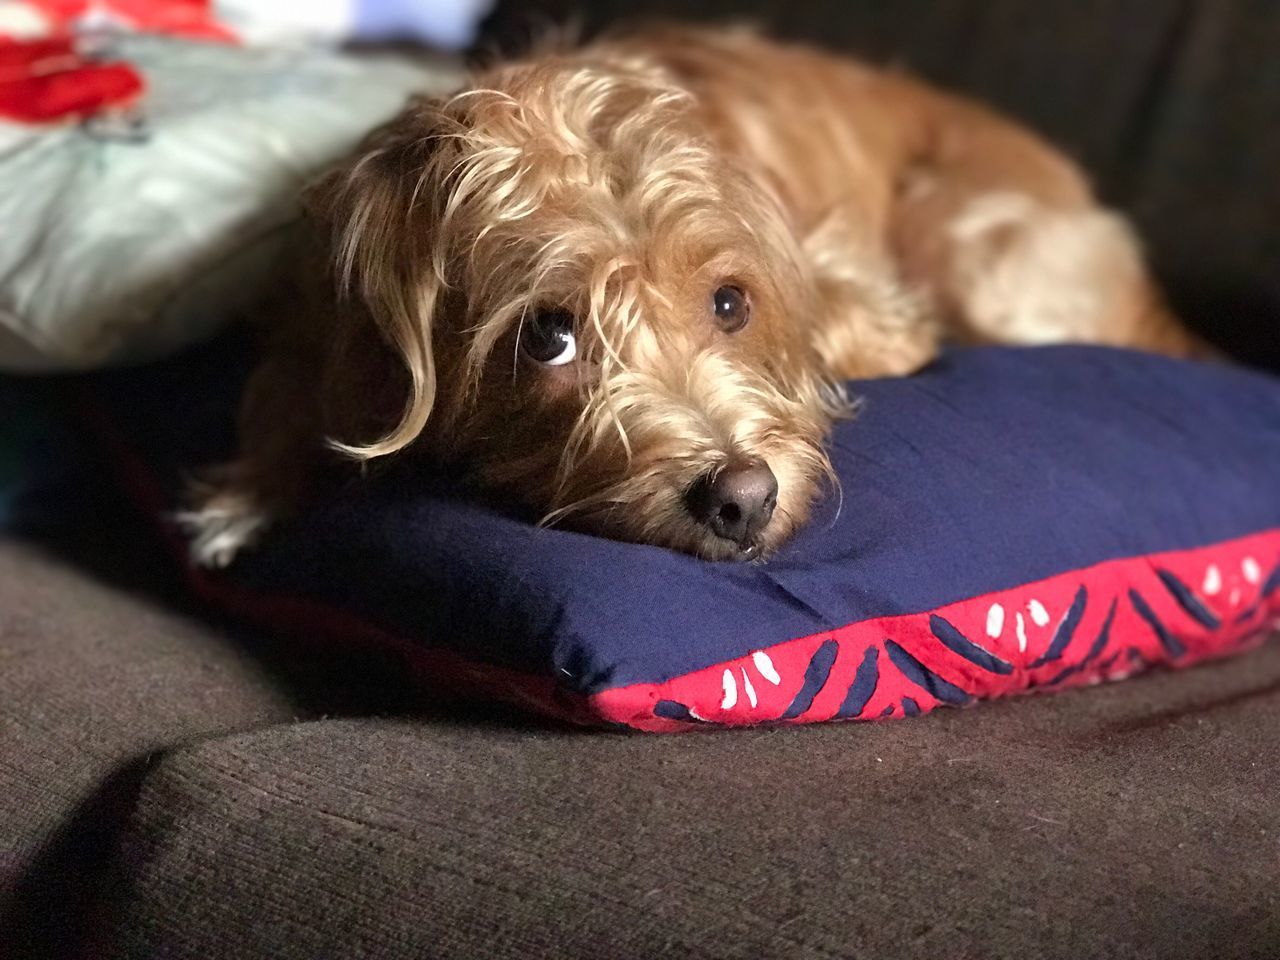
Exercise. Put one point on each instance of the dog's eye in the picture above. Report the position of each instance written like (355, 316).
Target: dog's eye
(731, 307)
(547, 337)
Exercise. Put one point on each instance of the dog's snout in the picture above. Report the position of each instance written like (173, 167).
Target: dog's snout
(737, 501)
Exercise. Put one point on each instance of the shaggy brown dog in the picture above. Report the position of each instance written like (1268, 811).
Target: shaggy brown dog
(624, 283)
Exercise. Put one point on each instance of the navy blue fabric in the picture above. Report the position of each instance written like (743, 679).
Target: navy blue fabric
(992, 468)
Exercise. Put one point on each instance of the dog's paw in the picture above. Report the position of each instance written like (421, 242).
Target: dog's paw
(220, 528)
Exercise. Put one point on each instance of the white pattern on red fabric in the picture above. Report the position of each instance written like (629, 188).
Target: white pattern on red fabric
(995, 621)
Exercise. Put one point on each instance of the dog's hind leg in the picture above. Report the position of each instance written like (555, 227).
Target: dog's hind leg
(1006, 236)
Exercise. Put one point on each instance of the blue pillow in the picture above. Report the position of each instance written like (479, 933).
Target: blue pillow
(1011, 519)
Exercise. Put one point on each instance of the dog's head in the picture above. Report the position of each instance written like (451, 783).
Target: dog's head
(578, 297)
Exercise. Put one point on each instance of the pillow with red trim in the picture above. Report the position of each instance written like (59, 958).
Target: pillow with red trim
(1012, 520)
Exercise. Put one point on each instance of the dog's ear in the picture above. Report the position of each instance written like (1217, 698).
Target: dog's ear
(381, 213)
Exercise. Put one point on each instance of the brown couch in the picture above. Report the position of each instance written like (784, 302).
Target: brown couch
(165, 794)
(173, 786)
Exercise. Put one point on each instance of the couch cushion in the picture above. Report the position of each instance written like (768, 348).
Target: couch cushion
(92, 683)
(1136, 820)
(1010, 520)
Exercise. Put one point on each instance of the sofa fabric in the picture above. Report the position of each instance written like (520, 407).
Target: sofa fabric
(1136, 820)
(164, 794)
(93, 685)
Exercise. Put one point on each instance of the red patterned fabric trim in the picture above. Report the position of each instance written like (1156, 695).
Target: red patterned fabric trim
(1103, 623)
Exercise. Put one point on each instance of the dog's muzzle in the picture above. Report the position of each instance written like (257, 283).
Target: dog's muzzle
(735, 502)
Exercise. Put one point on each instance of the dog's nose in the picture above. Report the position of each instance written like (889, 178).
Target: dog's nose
(735, 501)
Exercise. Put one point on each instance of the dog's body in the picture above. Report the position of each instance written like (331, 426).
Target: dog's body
(623, 284)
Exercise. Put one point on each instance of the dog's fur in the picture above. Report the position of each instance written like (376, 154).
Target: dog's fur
(864, 214)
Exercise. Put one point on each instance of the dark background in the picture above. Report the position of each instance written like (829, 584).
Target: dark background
(1173, 106)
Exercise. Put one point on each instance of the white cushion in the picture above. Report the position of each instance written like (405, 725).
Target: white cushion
(124, 241)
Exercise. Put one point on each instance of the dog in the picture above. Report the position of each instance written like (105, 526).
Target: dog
(625, 283)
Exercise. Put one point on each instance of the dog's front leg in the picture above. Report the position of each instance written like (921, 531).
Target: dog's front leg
(232, 504)
(868, 323)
